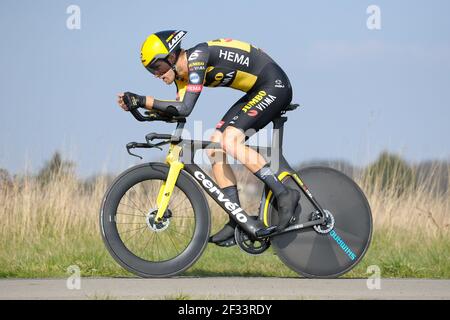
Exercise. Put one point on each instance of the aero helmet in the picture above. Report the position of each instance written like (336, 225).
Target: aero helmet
(156, 49)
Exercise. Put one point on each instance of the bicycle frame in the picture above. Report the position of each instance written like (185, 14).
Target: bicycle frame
(256, 228)
(340, 248)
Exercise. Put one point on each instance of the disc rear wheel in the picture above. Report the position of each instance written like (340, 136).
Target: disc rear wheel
(334, 248)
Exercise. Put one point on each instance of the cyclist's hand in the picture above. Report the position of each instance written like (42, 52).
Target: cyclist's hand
(121, 102)
(130, 101)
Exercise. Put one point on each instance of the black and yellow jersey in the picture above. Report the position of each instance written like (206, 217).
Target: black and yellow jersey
(217, 63)
(234, 64)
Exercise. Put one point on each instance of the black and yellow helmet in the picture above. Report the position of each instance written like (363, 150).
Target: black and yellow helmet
(157, 47)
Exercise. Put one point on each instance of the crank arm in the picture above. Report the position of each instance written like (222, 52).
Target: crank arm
(299, 226)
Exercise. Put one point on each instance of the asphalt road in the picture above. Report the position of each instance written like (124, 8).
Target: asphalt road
(223, 288)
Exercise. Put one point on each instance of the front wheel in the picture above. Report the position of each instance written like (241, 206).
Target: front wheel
(334, 248)
(140, 244)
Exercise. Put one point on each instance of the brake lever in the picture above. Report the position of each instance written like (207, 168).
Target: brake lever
(132, 145)
(149, 138)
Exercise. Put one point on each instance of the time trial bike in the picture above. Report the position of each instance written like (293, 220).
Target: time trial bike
(155, 219)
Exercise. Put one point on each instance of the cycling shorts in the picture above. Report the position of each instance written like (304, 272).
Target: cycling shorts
(270, 95)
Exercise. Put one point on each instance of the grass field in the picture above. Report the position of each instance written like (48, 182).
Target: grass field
(48, 227)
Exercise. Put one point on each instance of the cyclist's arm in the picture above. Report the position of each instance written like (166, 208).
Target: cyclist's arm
(189, 94)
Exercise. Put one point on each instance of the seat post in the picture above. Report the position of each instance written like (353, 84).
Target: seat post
(277, 139)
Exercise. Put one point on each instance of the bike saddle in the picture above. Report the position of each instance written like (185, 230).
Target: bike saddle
(292, 107)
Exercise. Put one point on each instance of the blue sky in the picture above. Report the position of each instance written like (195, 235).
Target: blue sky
(363, 91)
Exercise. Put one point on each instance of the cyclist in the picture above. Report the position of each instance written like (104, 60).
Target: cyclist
(222, 63)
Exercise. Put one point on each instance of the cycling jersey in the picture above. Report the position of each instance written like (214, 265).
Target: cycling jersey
(239, 65)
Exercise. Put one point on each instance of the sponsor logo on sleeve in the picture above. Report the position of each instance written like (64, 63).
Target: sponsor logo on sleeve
(194, 55)
(196, 66)
(194, 78)
(194, 88)
(220, 124)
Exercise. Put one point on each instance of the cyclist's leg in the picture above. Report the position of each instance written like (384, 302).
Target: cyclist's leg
(221, 169)
(224, 175)
(264, 104)
(250, 120)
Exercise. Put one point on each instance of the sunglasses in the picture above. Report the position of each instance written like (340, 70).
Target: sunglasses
(158, 67)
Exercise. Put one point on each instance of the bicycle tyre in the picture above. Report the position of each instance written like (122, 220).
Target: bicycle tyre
(115, 245)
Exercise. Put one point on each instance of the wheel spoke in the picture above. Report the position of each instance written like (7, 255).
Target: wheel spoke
(138, 198)
(146, 193)
(130, 222)
(134, 204)
(133, 230)
(130, 214)
(173, 243)
(180, 233)
(126, 205)
(179, 217)
(159, 245)
(134, 234)
(150, 239)
(178, 204)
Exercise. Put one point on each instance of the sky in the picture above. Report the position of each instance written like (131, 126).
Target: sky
(362, 91)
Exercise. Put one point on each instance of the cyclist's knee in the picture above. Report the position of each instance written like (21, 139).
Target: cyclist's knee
(232, 137)
(214, 153)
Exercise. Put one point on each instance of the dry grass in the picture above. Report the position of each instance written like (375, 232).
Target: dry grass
(47, 227)
(30, 210)
(420, 209)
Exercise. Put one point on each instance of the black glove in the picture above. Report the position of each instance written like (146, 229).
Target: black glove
(133, 101)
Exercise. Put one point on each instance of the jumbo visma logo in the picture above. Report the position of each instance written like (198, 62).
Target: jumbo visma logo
(343, 245)
(261, 101)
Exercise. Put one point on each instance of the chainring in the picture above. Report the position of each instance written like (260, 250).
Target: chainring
(249, 245)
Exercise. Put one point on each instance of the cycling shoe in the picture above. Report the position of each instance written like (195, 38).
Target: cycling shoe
(225, 234)
(287, 203)
(227, 243)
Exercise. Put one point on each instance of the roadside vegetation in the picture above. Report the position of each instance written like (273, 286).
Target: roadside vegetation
(49, 221)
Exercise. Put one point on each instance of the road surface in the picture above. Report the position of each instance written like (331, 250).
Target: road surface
(222, 288)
